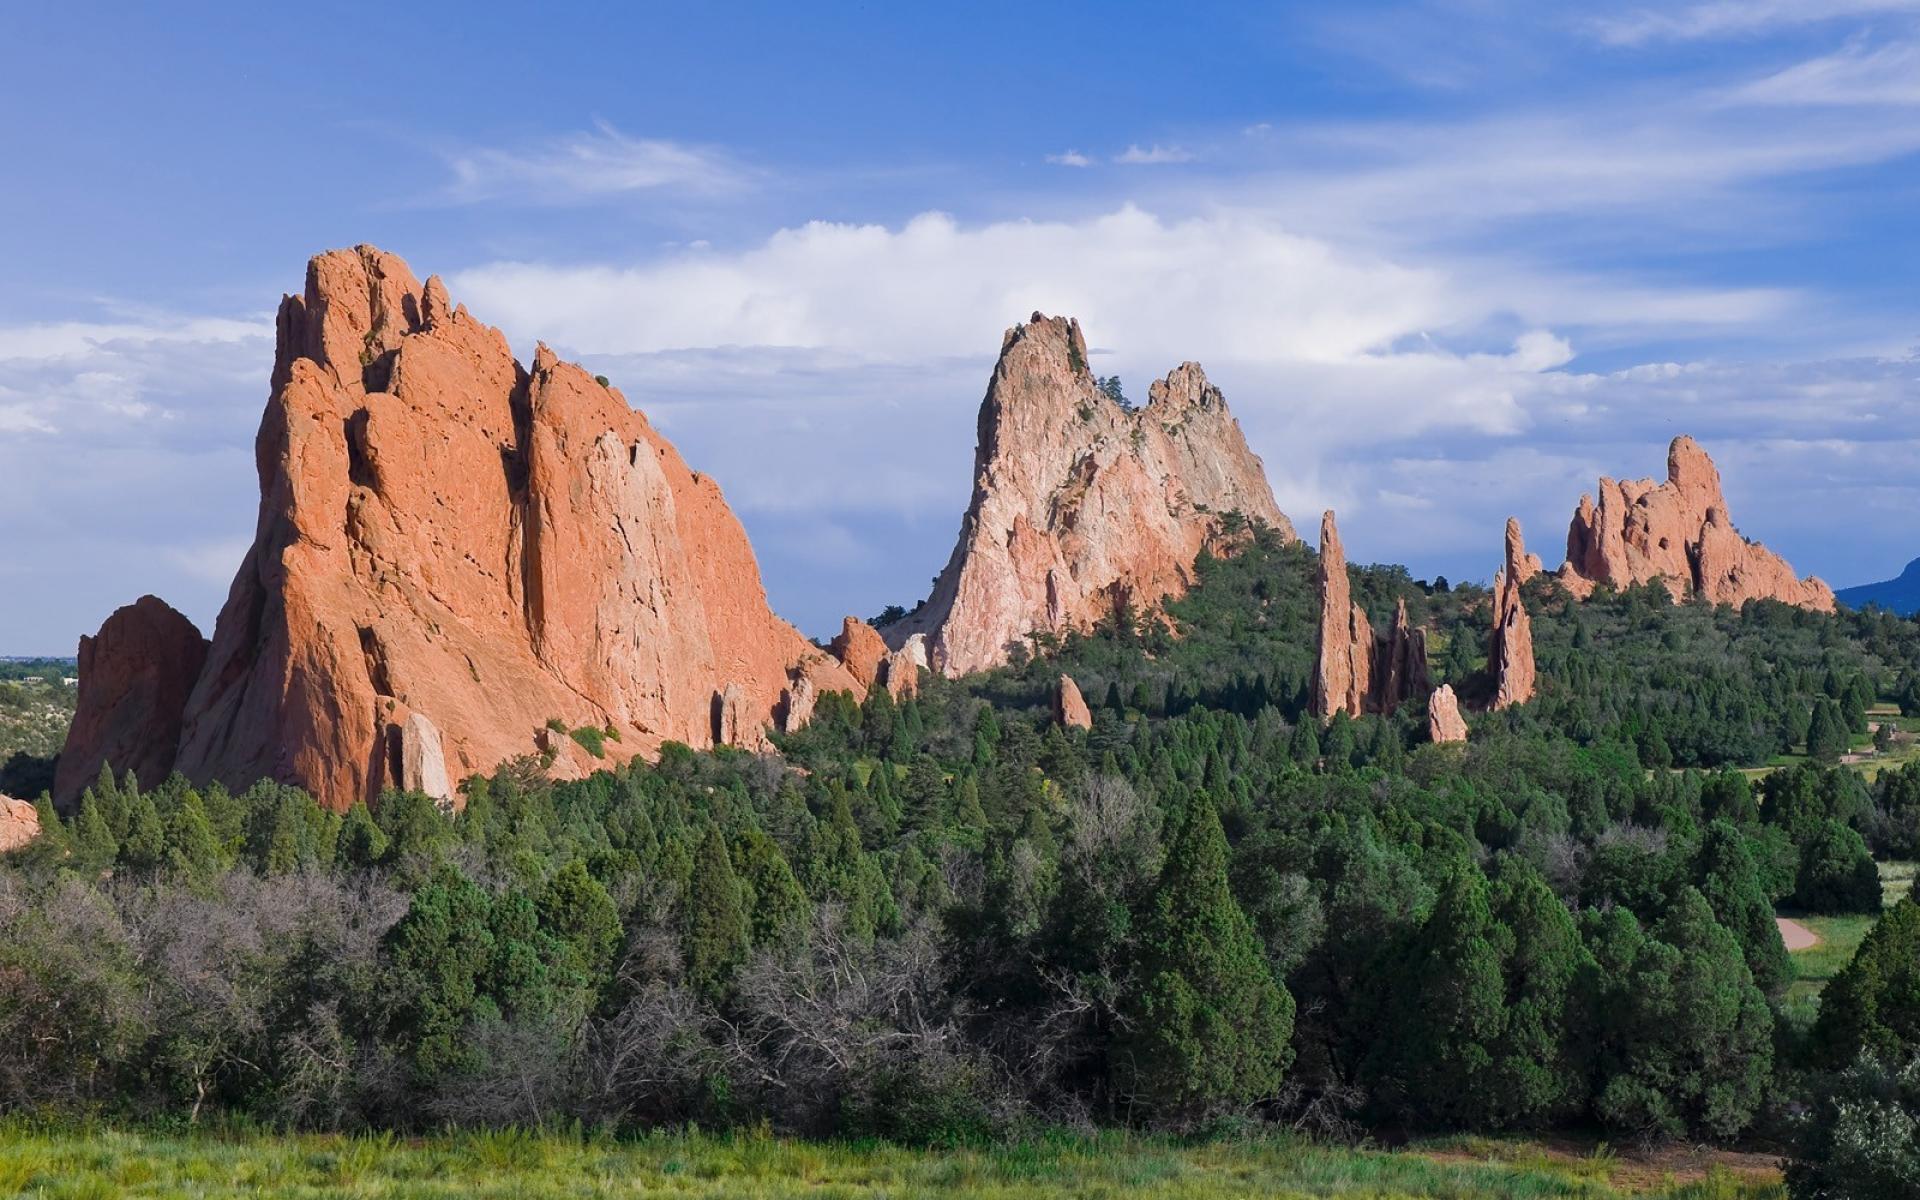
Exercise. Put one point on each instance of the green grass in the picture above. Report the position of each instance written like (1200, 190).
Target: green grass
(112, 1162)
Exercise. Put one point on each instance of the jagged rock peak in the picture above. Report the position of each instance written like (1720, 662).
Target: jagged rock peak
(1510, 651)
(1080, 505)
(446, 535)
(135, 677)
(1677, 532)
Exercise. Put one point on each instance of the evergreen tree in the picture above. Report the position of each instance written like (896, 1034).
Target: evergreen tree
(1873, 1005)
(192, 853)
(1727, 876)
(1684, 1038)
(1210, 1024)
(717, 934)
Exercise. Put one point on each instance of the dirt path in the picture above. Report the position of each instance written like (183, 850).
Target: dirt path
(1796, 935)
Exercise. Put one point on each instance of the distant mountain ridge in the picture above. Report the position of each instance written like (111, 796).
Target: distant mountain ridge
(1900, 595)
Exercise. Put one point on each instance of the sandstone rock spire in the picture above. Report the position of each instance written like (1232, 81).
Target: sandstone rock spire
(1677, 532)
(1080, 506)
(1510, 654)
(1343, 674)
(445, 533)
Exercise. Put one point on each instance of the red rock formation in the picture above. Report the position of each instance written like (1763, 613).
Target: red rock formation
(19, 823)
(1343, 676)
(1356, 672)
(1510, 654)
(1069, 706)
(902, 674)
(1080, 506)
(1444, 722)
(1400, 668)
(1677, 532)
(860, 649)
(446, 535)
(135, 677)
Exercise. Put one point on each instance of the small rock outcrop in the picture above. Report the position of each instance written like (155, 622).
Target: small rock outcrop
(445, 533)
(1678, 532)
(1356, 671)
(1082, 507)
(136, 675)
(1444, 722)
(861, 650)
(1510, 653)
(1069, 706)
(19, 823)
(902, 674)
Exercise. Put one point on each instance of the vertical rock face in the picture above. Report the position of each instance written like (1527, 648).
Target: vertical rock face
(1444, 722)
(423, 762)
(1081, 507)
(1069, 706)
(1344, 671)
(19, 823)
(1355, 672)
(1678, 532)
(447, 535)
(135, 677)
(1510, 654)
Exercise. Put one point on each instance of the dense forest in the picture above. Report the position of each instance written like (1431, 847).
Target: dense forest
(949, 917)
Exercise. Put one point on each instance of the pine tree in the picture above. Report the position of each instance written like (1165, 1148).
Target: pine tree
(1725, 873)
(1209, 1024)
(718, 934)
(192, 853)
(1874, 1003)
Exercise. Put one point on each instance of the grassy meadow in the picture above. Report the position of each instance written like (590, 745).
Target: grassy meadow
(103, 1163)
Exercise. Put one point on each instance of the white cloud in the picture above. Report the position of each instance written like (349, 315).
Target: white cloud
(1153, 155)
(1858, 75)
(1070, 158)
(1734, 18)
(591, 166)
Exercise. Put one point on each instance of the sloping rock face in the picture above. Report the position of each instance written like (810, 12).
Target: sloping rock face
(19, 823)
(1081, 507)
(135, 677)
(1510, 653)
(1678, 532)
(1444, 722)
(1069, 706)
(446, 534)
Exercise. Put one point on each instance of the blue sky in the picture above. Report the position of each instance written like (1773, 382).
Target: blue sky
(1448, 260)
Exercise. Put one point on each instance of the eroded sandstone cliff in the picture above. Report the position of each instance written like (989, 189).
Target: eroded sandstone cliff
(1677, 532)
(455, 549)
(1080, 506)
